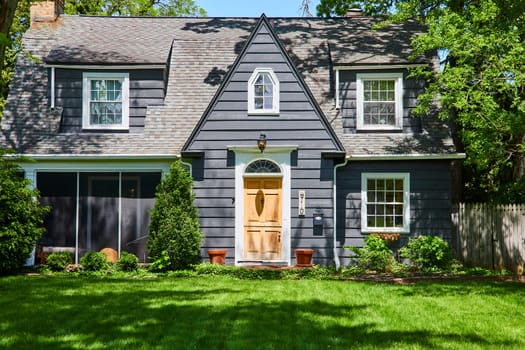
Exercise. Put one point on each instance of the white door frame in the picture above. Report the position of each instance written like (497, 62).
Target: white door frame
(280, 155)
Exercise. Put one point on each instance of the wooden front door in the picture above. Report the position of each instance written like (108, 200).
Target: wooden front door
(262, 218)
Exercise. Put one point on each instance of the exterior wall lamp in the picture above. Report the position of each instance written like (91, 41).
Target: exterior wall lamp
(261, 142)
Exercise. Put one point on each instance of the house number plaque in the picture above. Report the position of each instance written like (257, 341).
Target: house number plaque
(302, 203)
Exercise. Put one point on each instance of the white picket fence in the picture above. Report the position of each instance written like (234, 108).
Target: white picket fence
(491, 236)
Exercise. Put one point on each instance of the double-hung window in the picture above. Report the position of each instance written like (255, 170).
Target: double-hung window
(379, 101)
(263, 92)
(385, 202)
(105, 101)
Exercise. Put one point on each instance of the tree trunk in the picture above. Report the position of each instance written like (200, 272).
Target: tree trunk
(7, 13)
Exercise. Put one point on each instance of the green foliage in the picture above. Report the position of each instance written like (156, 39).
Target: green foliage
(21, 215)
(94, 261)
(315, 273)
(128, 262)
(13, 45)
(374, 256)
(174, 238)
(481, 88)
(58, 261)
(151, 8)
(428, 253)
(332, 8)
(161, 263)
(511, 193)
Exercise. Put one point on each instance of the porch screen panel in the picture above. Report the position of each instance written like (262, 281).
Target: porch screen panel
(99, 194)
(58, 190)
(138, 198)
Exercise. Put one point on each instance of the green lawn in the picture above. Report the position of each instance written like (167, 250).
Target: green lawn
(62, 312)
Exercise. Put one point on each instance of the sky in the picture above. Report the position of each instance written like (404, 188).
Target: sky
(254, 8)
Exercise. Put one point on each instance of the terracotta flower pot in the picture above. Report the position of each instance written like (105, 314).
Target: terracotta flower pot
(304, 257)
(217, 256)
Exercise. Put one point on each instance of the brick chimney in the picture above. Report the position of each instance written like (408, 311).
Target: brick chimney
(46, 11)
(355, 12)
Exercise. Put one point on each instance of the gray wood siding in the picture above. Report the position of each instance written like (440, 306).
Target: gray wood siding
(430, 202)
(298, 123)
(146, 88)
(347, 99)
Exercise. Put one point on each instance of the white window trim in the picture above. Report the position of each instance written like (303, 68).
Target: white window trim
(86, 77)
(251, 92)
(406, 202)
(398, 86)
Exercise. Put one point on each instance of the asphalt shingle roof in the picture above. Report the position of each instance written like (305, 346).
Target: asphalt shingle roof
(202, 50)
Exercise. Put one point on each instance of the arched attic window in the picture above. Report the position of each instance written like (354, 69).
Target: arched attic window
(263, 92)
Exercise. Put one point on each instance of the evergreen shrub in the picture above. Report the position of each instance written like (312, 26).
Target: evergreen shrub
(94, 261)
(58, 261)
(21, 215)
(128, 262)
(174, 238)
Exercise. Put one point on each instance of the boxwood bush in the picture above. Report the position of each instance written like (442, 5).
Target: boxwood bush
(128, 262)
(94, 261)
(58, 261)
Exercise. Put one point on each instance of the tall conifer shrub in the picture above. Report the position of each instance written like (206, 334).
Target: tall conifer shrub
(174, 239)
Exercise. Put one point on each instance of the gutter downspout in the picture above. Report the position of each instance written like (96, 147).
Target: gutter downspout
(52, 97)
(336, 256)
(189, 165)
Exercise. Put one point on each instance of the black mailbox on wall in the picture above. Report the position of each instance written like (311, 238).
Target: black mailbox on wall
(318, 223)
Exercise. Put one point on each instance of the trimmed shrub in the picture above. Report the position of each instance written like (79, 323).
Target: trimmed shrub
(174, 238)
(94, 261)
(315, 273)
(374, 256)
(21, 215)
(58, 261)
(128, 262)
(428, 253)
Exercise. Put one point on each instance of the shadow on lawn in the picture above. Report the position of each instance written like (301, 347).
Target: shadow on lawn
(462, 288)
(81, 313)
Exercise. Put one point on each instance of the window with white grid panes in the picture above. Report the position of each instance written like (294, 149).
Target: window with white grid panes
(263, 92)
(379, 102)
(106, 104)
(385, 202)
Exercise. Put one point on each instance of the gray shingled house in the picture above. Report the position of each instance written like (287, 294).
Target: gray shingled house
(298, 132)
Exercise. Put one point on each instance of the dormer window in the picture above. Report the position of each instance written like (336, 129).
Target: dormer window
(379, 101)
(263, 92)
(105, 101)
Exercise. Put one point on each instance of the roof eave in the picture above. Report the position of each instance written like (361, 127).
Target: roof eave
(95, 156)
(415, 156)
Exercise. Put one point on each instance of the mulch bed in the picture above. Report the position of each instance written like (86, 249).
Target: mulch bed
(436, 278)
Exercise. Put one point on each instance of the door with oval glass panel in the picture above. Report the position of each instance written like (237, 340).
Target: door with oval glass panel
(262, 218)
